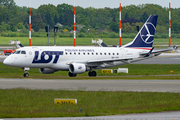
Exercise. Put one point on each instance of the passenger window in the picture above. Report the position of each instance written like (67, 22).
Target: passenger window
(117, 53)
(23, 52)
(109, 53)
(84, 53)
(113, 53)
(104, 53)
(92, 53)
(66, 53)
(96, 53)
(100, 53)
(74, 53)
(79, 53)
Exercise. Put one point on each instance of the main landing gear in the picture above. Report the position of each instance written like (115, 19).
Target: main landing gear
(91, 74)
(72, 74)
(26, 74)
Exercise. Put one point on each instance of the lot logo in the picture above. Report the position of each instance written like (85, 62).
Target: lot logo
(147, 33)
(47, 56)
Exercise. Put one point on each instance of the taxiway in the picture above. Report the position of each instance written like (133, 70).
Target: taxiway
(94, 85)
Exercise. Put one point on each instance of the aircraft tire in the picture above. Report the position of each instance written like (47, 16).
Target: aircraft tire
(72, 74)
(26, 75)
(92, 74)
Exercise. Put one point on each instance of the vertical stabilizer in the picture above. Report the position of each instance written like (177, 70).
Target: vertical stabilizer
(145, 37)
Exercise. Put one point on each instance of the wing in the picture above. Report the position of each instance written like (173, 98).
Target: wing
(107, 61)
(95, 63)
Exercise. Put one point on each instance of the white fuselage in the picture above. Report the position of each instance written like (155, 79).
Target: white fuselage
(57, 58)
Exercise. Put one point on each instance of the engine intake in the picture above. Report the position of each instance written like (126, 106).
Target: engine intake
(77, 68)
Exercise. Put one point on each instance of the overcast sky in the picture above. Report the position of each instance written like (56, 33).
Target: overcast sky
(97, 3)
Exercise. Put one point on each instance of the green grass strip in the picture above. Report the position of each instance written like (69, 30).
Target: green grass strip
(26, 103)
(136, 71)
(62, 41)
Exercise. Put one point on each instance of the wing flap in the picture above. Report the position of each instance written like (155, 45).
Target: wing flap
(108, 60)
(96, 63)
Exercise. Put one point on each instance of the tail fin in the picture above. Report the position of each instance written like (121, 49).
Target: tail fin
(145, 37)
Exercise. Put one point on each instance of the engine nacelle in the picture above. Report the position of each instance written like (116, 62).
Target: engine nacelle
(46, 70)
(77, 68)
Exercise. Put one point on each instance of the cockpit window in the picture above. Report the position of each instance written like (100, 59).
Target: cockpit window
(20, 52)
(23, 52)
(17, 52)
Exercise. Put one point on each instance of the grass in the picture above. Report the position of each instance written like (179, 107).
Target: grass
(42, 41)
(136, 71)
(25, 103)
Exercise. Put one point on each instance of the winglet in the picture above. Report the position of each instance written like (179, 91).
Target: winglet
(148, 54)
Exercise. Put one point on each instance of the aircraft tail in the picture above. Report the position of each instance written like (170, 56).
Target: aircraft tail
(145, 37)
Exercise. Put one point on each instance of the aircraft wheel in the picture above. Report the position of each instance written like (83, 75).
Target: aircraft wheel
(26, 75)
(72, 74)
(92, 74)
(89, 73)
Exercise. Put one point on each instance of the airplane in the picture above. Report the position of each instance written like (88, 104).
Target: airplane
(77, 60)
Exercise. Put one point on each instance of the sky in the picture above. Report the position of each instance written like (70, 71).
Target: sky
(97, 3)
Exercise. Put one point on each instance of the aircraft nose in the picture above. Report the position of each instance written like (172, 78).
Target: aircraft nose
(7, 61)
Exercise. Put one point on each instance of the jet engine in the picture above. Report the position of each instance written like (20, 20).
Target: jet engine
(77, 68)
(46, 70)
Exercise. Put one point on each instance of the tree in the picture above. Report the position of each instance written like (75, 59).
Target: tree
(126, 16)
(144, 17)
(8, 3)
(176, 26)
(47, 13)
(20, 26)
(114, 19)
(127, 28)
(49, 20)
(40, 25)
(130, 20)
(4, 26)
(68, 18)
(55, 19)
(60, 19)
(114, 27)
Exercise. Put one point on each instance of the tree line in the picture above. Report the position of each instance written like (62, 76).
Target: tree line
(15, 18)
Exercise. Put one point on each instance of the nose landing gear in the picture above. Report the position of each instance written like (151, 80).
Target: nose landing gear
(26, 74)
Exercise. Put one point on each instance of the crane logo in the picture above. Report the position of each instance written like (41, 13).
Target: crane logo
(147, 33)
(80, 67)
